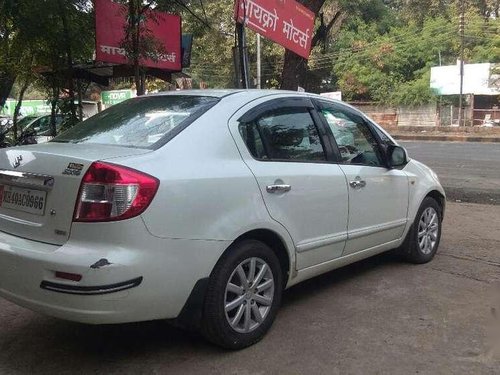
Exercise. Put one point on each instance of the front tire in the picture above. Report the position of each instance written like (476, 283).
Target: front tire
(243, 296)
(422, 241)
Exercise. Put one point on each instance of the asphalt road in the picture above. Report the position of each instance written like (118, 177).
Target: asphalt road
(469, 171)
(379, 316)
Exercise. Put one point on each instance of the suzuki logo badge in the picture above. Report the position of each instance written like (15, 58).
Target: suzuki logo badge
(17, 161)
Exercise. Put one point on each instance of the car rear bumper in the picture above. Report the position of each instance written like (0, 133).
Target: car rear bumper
(148, 278)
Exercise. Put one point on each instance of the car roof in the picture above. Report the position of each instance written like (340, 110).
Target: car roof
(251, 94)
(214, 93)
(227, 92)
(260, 93)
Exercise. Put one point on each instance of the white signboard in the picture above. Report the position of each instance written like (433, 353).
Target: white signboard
(445, 80)
(337, 95)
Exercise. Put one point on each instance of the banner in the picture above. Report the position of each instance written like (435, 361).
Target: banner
(113, 97)
(110, 19)
(285, 22)
(28, 107)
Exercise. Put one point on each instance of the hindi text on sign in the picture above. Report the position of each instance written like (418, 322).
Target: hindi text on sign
(284, 21)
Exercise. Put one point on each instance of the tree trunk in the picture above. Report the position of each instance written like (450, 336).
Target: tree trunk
(24, 87)
(134, 14)
(69, 59)
(53, 105)
(6, 82)
(137, 69)
(80, 105)
(7, 77)
(143, 82)
(294, 73)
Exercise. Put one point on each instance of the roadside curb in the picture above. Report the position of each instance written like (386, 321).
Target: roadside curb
(448, 138)
(469, 195)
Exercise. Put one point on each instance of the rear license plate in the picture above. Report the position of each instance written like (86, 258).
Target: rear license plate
(22, 199)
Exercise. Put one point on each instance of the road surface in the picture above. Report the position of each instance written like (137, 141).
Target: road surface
(379, 316)
(469, 171)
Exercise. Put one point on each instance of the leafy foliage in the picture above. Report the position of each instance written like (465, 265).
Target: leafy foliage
(393, 65)
(380, 50)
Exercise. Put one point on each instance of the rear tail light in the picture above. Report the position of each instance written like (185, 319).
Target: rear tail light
(111, 192)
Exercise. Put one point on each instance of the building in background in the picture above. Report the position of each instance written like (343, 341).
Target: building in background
(481, 88)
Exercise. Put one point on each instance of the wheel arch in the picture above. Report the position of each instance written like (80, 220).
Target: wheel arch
(435, 194)
(275, 242)
(439, 198)
(191, 315)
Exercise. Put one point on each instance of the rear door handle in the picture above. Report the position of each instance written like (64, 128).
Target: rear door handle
(280, 188)
(357, 184)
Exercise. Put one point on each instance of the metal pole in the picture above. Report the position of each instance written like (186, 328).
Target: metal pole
(80, 104)
(258, 62)
(242, 49)
(237, 68)
(462, 48)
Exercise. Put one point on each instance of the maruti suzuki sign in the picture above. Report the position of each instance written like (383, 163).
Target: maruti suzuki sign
(285, 22)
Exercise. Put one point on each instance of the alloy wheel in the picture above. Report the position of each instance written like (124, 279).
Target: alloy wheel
(428, 230)
(249, 295)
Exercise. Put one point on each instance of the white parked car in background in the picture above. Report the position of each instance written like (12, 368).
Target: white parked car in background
(207, 213)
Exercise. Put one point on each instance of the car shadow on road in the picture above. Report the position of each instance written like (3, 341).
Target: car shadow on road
(320, 284)
(51, 345)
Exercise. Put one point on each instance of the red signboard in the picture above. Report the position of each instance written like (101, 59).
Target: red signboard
(110, 20)
(286, 22)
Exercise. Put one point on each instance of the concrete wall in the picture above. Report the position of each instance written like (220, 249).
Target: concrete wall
(392, 117)
(424, 115)
(384, 115)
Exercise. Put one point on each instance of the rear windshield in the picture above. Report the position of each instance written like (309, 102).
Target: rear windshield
(138, 122)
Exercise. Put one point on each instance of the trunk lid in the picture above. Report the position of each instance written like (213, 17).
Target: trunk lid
(39, 186)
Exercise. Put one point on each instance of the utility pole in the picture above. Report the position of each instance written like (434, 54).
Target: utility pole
(462, 40)
(258, 62)
(243, 55)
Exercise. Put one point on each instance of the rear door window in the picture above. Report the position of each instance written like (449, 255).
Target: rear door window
(284, 135)
(140, 122)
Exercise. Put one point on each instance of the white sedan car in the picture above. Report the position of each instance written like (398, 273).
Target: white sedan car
(204, 206)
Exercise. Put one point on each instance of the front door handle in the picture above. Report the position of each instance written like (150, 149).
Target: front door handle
(279, 188)
(357, 184)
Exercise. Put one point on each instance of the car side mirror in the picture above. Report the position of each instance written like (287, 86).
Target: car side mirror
(397, 156)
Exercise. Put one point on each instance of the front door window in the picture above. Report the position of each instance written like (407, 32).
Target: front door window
(356, 143)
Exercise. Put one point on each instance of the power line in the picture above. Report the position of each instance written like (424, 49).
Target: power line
(326, 60)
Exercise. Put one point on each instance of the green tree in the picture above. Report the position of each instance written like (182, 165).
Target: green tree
(10, 47)
(64, 36)
(294, 66)
(49, 33)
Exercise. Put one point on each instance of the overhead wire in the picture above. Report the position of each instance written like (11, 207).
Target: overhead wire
(325, 60)
(317, 64)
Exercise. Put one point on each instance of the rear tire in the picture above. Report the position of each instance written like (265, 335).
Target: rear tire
(422, 240)
(243, 295)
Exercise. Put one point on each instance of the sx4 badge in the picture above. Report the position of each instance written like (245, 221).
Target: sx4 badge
(73, 169)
